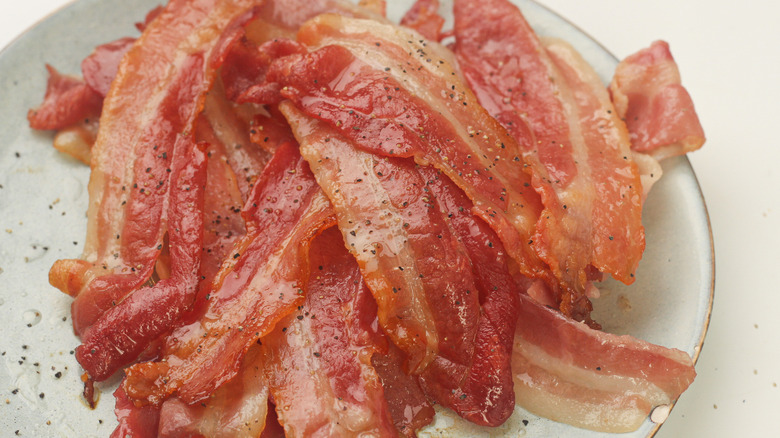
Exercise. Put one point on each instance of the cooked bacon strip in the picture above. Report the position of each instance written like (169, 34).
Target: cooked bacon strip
(134, 421)
(68, 101)
(401, 242)
(395, 94)
(101, 66)
(158, 81)
(122, 333)
(238, 409)
(618, 234)
(409, 407)
(424, 17)
(261, 283)
(482, 392)
(580, 162)
(567, 372)
(658, 110)
(319, 357)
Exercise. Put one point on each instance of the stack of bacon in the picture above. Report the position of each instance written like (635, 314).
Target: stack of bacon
(299, 205)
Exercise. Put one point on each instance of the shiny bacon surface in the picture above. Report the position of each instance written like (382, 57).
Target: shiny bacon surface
(306, 219)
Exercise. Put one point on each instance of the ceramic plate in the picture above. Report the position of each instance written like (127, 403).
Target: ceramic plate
(43, 199)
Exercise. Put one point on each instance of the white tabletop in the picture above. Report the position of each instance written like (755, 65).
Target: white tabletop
(730, 63)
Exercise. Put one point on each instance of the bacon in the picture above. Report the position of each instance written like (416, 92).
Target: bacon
(122, 333)
(657, 109)
(395, 94)
(261, 283)
(401, 242)
(68, 101)
(101, 66)
(408, 405)
(238, 409)
(225, 126)
(580, 162)
(424, 17)
(319, 357)
(156, 96)
(567, 372)
(134, 421)
(482, 393)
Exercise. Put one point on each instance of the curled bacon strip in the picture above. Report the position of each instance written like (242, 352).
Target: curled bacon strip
(658, 110)
(68, 101)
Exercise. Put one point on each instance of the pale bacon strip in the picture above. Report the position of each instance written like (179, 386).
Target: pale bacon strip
(657, 109)
(319, 357)
(401, 242)
(164, 77)
(570, 373)
(260, 283)
(580, 161)
(394, 93)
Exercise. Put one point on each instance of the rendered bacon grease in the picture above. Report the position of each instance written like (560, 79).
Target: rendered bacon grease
(304, 217)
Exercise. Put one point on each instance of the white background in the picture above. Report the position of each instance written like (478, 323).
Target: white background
(730, 62)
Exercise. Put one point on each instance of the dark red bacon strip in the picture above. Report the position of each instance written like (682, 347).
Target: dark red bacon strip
(401, 242)
(658, 110)
(408, 405)
(319, 357)
(482, 391)
(567, 372)
(259, 284)
(122, 333)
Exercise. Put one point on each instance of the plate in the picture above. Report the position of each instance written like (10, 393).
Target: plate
(43, 199)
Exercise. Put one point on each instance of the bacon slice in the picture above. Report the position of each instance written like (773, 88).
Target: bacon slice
(238, 409)
(319, 357)
(580, 162)
(481, 392)
(395, 94)
(134, 421)
(261, 283)
(401, 242)
(68, 101)
(657, 109)
(567, 372)
(424, 17)
(122, 333)
(408, 405)
(129, 184)
(101, 66)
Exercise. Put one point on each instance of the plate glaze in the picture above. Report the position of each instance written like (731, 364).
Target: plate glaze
(43, 199)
